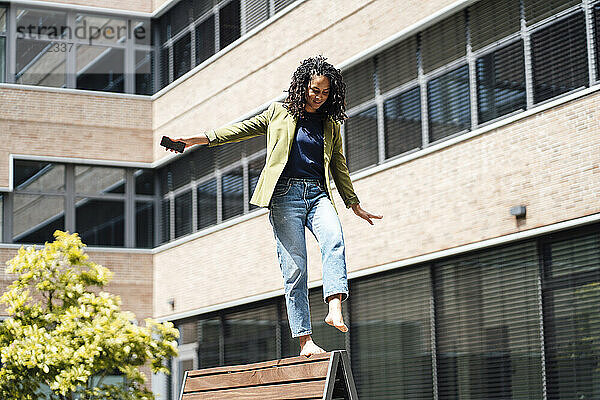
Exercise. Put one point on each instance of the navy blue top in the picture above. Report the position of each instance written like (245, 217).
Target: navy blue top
(306, 155)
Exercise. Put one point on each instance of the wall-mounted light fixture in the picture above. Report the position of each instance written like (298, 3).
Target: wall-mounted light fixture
(171, 302)
(518, 211)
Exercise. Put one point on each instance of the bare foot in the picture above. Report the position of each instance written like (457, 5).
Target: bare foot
(308, 347)
(334, 317)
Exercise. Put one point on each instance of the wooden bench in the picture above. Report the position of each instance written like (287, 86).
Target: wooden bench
(323, 376)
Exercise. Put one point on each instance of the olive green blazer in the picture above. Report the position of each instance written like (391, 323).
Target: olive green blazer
(280, 128)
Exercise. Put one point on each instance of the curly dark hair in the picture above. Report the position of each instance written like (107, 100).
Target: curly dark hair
(335, 106)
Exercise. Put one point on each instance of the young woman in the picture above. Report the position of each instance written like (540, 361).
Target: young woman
(303, 145)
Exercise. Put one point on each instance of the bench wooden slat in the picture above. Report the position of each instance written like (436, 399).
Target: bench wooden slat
(274, 374)
(260, 365)
(288, 391)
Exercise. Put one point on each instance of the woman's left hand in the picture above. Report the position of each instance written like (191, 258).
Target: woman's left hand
(364, 214)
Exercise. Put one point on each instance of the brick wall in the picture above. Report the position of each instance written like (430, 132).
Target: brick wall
(457, 195)
(82, 125)
(231, 86)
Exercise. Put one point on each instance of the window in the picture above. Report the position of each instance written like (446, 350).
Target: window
(597, 37)
(359, 81)
(391, 344)
(144, 65)
(538, 10)
(165, 223)
(100, 222)
(183, 214)
(254, 169)
(571, 303)
(403, 123)
(95, 180)
(449, 104)
(559, 57)
(487, 323)
(207, 203)
(229, 23)
(501, 82)
(3, 44)
(205, 39)
(38, 64)
(361, 140)
(492, 20)
(100, 68)
(182, 56)
(144, 224)
(256, 12)
(233, 193)
(397, 65)
(444, 42)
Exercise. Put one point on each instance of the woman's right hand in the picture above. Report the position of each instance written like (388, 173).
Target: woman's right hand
(202, 139)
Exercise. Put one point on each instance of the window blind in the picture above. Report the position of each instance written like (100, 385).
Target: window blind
(390, 331)
(165, 222)
(229, 23)
(256, 13)
(254, 169)
(281, 4)
(205, 39)
(571, 316)
(183, 214)
(361, 140)
(209, 342)
(233, 193)
(449, 104)
(182, 56)
(501, 82)
(492, 20)
(444, 42)
(359, 80)
(538, 10)
(487, 325)
(207, 203)
(559, 57)
(397, 64)
(403, 123)
(250, 335)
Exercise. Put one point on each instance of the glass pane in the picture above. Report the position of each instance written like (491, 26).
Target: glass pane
(182, 56)
(141, 32)
(144, 225)
(205, 40)
(501, 82)
(207, 204)
(180, 16)
(43, 22)
(229, 23)
(184, 365)
(233, 193)
(391, 343)
(39, 176)
(449, 104)
(36, 217)
(250, 336)
(2, 59)
(41, 62)
(201, 7)
(99, 180)
(165, 223)
(144, 65)
(183, 214)
(361, 140)
(99, 29)
(597, 38)
(403, 123)
(575, 255)
(164, 67)
(559, 58)
(144, 181)
(209, 340)
(100, 68)
(254, 169)
(2, 19)
(100, 222)
(188, 332)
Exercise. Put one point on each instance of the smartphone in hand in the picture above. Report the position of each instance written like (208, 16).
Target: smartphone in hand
(173, 145)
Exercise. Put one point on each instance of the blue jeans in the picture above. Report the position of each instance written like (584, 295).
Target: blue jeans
(298, 203)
